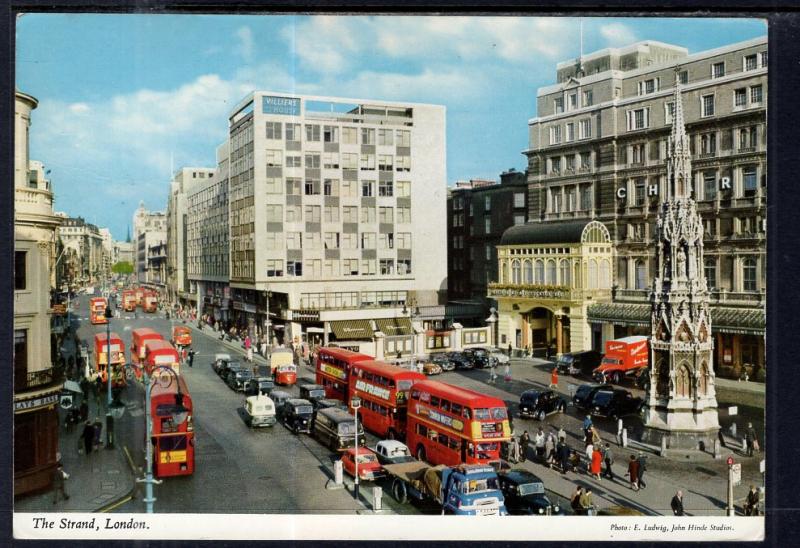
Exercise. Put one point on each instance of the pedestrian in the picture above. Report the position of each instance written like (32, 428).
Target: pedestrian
(98, 433)
(633, 473)
(524, 441)
(59, 476)
(549, 351)
(88, 437)
(677, 503)
(575, 461)
(191, 357)
(587, 422)
(589, 456)
(84, 410)
(597, 462)
(608, 459)
(575, 501)
(98, 389)
(554, 378)
(750, 439)
(508, 371)
(539, 442)
(514, 455)
(562, 435)
(550, 449)
(528, 351)
(642, 469)
(752, 501)
(509, 350)
(250, 354)
(264, 346)
(587, 504)
(492, 372)
(595, 436)
(563, 456)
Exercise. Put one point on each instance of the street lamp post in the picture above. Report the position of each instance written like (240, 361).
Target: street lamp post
(355, 403)
(109, 418)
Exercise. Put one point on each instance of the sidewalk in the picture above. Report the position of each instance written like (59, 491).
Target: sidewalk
(97, 482)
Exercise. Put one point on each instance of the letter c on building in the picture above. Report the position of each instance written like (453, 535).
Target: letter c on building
(622, 192)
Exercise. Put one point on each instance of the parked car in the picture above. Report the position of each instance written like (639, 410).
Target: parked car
(328, 403)
(582, 399)
(430, 368)
(480, 357)
(368, 466)
(579, 363)
(615, 403)
(259, 411)
(297, 414)
(540, 403)
(219, 360)
(238, 377)
(393, 452)
(442, 361)
(312, 392)
(279, 397)
(500, 355)
(259, 385)
(460, 360)
(525, 494)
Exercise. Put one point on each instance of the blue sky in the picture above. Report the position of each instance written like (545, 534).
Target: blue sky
(124, 97)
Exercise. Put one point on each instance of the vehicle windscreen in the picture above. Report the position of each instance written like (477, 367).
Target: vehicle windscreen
(566, 359)
(347, 428)
(611, 361)
(531, 489)
(404, 385)
(602, 398)
(475, 486)
(304, 409)
(320, 393)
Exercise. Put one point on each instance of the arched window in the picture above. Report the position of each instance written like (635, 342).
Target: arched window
(551, 272)
(539, 271)
(528, 272)
(578, 279)
(710, 272)
(641, 274)
(592, 274)
(565, 277)
(515, 278)
(683, 387)
(605, 274)
(749, 274)
(504, 273)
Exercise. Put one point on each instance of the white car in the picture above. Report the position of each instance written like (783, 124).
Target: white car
(392, 452)
(501, 357)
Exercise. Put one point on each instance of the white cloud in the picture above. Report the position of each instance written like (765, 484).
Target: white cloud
(617, 34)
(79, 108)
(246, 45)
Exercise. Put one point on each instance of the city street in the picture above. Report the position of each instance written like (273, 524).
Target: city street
(270, 470)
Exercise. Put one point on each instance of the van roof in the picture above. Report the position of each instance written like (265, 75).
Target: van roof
(631, 339)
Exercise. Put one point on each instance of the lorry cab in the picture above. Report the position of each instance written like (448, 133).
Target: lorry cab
(471, 491)
(259, 411)
(623, 356)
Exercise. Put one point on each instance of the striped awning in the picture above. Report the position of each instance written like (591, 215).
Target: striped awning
(395, 326)
(724, 319)
(347, 330)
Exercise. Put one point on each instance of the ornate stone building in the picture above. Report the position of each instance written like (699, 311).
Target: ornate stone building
(680, 402)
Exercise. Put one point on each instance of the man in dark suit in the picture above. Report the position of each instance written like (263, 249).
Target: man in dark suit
(677, 504)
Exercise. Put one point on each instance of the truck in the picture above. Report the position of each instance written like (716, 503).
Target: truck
(623, 357)
(466, 490)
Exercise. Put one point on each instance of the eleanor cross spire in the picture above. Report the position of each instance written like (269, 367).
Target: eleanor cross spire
(679, 165)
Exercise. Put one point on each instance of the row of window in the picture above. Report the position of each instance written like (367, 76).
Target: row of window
(310, 186)
(352, 299)
(584, 131)
(568, 198)
(749, 270)
(338, 240)
(331, 160)
(331, 134)
(548, 273)
(333, 268)
(349, 214)
(458, 203)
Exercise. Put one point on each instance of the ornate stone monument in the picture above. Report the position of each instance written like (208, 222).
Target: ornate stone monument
(681, 403)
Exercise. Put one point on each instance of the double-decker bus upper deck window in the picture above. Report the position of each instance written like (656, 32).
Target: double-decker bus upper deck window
(434, 401)
(445, 405)
(403, 385)
(482, 413)
(499, 413)
(466, 413)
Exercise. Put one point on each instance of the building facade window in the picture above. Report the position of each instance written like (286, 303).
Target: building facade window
(709, 185)
(330, 134)
(750, 62)
(710, 272)
(588, 99)
(515, 272)
(586, 198)
(385, 137)
(638, 118)
(749, 181)
(273, 130)
(749, 272)
(718, 70)
(294, 268)
(708, 144)
(385, 188)
(740, 98)
(293, 132)
(519, 199)
(558, 105)
(20, 270)
(756, 95)
(570, 132)
(585, 128)
(707, 105)
(487, 225)
(538, 271)
(641, 274)
(555, 135)
(274, 268)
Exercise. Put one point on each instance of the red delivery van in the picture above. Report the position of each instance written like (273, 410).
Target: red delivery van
(623, 357)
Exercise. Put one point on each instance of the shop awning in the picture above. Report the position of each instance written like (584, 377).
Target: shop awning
(352, 329)
(392, 327)
(744, 321)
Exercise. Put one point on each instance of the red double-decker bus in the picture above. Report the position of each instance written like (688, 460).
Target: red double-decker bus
(129, 300)
(138, 338)
(333, 369)
(97, 310)
(101, 344)
(160, 352)
(173, 429)
(452, 425)
(383, 389)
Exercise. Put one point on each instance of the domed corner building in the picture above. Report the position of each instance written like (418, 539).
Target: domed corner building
(549, 274)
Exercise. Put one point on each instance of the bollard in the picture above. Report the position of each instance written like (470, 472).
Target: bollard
(377, 496)
(663, 445)
(624, 437)
(733, 429)
(717, 450)
(338, 473)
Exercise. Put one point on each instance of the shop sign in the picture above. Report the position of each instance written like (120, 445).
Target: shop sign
(36, 403)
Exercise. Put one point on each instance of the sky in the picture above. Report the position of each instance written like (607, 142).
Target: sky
(125, 99)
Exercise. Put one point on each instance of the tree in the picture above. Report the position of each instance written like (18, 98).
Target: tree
(122, 267)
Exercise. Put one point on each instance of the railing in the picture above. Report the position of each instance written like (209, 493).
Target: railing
(716, 296)
(530, 291)
(35, 379)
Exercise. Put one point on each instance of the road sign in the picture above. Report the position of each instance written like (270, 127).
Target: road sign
(733, 410)
(736, 473)
(730, 461)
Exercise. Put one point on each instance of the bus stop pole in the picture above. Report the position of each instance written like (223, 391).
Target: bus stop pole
(109, 418)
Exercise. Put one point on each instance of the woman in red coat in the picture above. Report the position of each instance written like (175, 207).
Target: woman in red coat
(597, 461)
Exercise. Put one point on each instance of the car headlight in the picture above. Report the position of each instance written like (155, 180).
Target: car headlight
(556, 509)
(541, 510)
